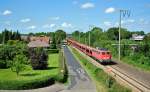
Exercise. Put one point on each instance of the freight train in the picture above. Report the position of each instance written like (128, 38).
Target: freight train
(101, 55)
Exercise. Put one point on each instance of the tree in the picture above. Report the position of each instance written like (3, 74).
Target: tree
(9, 50)
(18, 63)
(113, 33)
(53, 44)
(38, 58)
(138, 32)
(9, 35)
(7, 54)
(59, 36)
(41, 34)
(75, 35)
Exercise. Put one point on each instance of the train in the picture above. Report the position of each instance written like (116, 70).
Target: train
(101, 55)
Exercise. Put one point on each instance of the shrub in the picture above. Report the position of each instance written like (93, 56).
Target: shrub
(52, 50)
(9, 51)
(3, 64)
(38, 58)
(109, 82)
(18, 63)
(21, 84)
(63, 76)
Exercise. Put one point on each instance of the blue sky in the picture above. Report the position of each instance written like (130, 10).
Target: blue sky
(49, 15)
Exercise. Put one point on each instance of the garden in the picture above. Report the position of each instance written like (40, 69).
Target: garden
(23, 68)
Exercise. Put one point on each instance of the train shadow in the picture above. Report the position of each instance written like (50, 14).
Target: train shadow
(105, 63)
(108, 63)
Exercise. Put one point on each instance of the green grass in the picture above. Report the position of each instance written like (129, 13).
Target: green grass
(29, 78)
(103, 81)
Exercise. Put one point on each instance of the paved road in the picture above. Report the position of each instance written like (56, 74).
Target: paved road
(80, 81)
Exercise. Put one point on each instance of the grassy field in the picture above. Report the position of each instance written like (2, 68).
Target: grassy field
(30, 78)
(103, 81)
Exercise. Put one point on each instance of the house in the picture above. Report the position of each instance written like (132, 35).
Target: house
(40, 38)
(42, 41)
(24, 37)
(136, 37)
(38, 43)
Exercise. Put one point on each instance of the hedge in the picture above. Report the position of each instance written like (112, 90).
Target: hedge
(53, 50)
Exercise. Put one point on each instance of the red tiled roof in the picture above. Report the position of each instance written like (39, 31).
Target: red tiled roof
(38, 43)
(43, 38)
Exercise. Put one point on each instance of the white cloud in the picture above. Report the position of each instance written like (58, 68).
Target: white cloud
(107, 23)
(7, 12)
(143, 21)
(66, 25)
(25, 20)
(49, 25)
(55, 18)
(52, 25)
(31, 27)
(122, 22)
(87, 5)
(131, 20)
(110, 10)
(116, 24)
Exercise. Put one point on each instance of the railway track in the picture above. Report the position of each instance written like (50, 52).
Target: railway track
(119, 75)
(135, 84)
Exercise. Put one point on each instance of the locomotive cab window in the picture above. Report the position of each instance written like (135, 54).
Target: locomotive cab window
(103, 53)
(108, 52)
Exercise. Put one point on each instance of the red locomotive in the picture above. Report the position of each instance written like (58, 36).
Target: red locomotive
(102, 55)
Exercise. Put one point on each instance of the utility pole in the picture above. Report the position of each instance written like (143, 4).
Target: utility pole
(85, 39)
(79, 36)
(119, 35)
(89, 39)
(125, 13)
(4, 37)
(90, 28)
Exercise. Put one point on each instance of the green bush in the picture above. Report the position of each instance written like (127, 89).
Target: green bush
(109, 82)
(52, 50)
(39, 58)
(3, 64)
(9, 51)
(20, 84)
(63, 74)
(18, 64)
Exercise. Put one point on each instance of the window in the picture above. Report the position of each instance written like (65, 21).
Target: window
(108, 53)
(103, 53)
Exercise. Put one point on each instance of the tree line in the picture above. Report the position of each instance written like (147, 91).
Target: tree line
(9, 35)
